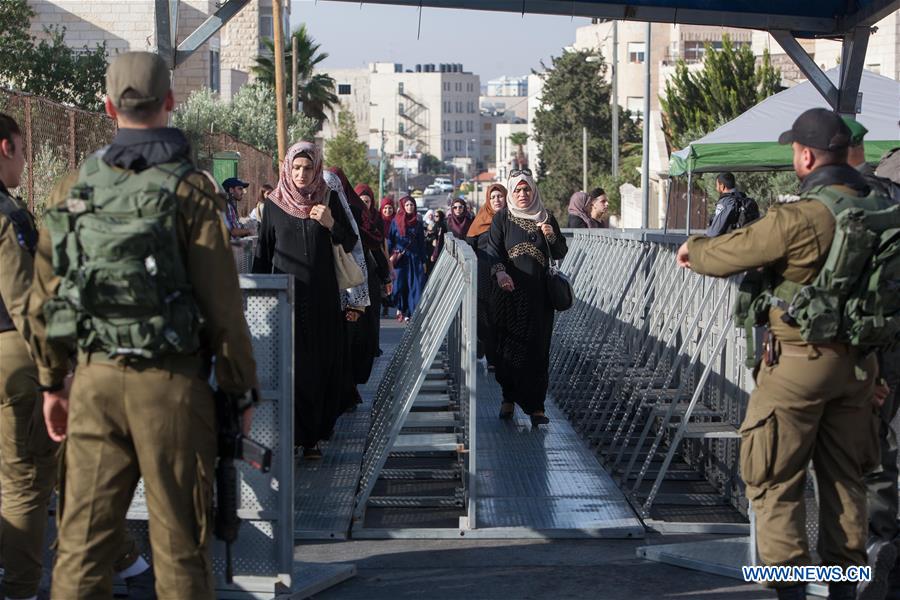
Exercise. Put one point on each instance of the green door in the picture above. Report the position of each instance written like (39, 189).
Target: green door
(225, 165)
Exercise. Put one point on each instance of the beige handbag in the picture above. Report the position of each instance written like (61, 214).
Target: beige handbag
(349, 275)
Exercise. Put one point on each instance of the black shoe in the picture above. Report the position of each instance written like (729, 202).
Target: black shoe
(539, 420)
(142, 586)
(793, 592)
(841, 591)
(312, 453)
(507, 414)
(882, 558)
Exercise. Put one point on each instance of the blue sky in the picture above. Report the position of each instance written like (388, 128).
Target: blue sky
(487, 43)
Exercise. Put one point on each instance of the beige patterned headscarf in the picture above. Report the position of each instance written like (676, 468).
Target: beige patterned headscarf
(534, 211)
(298, 201)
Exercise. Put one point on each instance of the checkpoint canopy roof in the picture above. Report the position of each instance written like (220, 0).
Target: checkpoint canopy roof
(750, 142)
(802, 17)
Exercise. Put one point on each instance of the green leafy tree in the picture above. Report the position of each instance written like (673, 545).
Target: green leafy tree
(729, 84)
(349, 153)
(432, 164)
(316, 90)
(519, 139)
(576, 95)
(249, 117)
(48, 67)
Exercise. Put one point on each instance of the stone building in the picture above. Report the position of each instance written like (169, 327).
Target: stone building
(221, 64)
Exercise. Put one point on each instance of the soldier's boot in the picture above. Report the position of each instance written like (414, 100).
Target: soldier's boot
(792, 592)
(842, 591)
(882, 559)
(142, 586)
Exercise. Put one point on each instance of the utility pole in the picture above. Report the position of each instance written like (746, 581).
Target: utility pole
(584, 159)
(645, 159)
(295, 84)
(615, 99)
(381, 165)
(280, 100)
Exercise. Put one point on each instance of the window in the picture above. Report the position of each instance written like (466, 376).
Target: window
(399, 87)
(343, 89)
(457, 145)
(215, 71)
(399, 145)
(266, 29)
(446, 86)
(636, 52)
(446, 145)
(447, 107)
(486, 126)
(401, 128)
(635, 104)
(470, 127)
(400, 109)
(446, 126)
(459, 127)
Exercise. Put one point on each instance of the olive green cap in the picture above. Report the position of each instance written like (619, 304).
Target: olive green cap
(857, 131)
(144, 73)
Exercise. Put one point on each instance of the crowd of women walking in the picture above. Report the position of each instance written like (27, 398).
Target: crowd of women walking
(349, 257)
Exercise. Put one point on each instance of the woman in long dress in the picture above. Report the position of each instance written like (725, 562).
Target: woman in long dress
(479, 238)
(299, 228)
(523, 238)
(406, 247)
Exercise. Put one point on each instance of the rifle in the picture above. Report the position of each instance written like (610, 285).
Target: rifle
(233, 445)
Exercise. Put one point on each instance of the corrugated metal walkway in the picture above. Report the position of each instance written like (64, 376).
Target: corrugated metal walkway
(543, 483)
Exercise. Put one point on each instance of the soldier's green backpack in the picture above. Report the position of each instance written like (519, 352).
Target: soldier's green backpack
(855, 298)
(123, 287)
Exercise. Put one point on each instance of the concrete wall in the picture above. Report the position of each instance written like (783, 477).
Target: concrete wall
(506, 150)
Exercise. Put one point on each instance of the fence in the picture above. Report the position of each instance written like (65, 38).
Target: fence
(57, 138)
(255, 166)
(650, 370)
(446, 311)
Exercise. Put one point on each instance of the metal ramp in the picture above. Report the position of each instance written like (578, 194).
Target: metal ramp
(404, 464)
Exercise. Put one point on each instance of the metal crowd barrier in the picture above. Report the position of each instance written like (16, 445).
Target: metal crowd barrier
(649, 369)
(263, 556)
(446, 313)
(244, 250)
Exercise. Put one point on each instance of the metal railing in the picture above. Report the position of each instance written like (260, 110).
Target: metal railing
(446, 313)
(650, 371)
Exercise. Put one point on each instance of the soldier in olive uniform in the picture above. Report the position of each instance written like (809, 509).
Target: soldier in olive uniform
(135, 412)
(29, 457)
(881, 484)
(812, 401)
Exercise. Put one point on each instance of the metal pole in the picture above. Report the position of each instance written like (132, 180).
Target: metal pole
(295, 83)
(687, 225)
(668, 207)
(584, 159)
(645, 162)
(615, 100)
(280, 103)
(381, 165)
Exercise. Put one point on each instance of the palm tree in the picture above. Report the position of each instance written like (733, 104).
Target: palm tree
(519, 139)
(316, 90)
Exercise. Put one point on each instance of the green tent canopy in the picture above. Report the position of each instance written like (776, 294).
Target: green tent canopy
(750, 141)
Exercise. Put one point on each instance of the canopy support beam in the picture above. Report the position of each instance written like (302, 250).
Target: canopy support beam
(166, 15)
(207, 29)
(845, 97)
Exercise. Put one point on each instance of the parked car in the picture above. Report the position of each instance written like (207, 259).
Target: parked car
(432, 190)
(416, 193)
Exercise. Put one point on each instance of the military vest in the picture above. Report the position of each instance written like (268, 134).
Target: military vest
(124, 288)
(26, 235)
(855, 297)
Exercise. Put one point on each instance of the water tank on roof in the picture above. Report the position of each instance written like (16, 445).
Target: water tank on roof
(418, 68)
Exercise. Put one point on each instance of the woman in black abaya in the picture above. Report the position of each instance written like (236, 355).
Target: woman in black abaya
(300, 225)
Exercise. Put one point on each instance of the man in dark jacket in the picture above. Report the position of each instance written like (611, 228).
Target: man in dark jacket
(733, 210)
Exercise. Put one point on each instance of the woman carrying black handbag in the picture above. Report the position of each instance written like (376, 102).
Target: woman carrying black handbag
(524, 239)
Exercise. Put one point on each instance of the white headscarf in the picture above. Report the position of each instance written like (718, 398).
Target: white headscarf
(534, 211)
